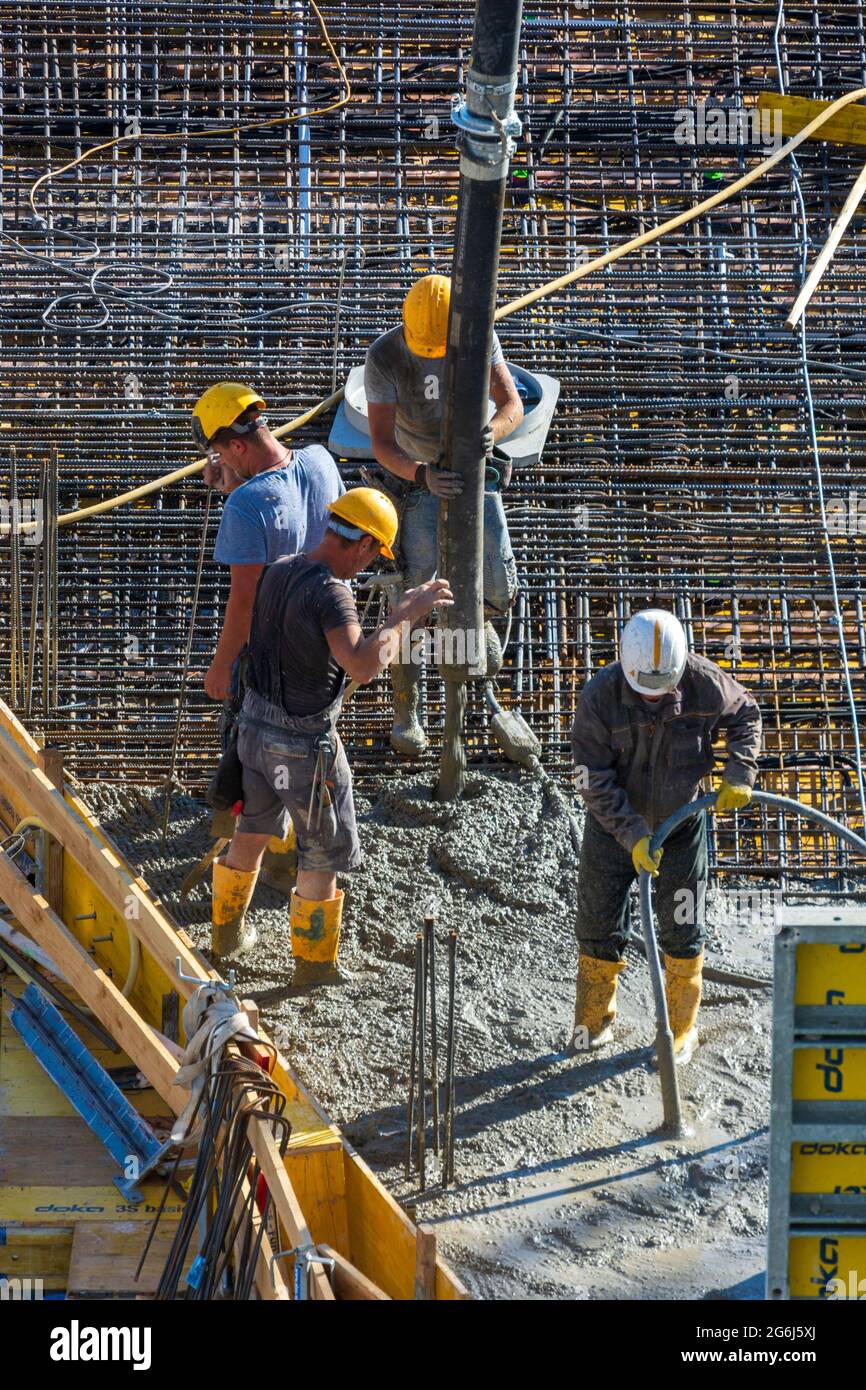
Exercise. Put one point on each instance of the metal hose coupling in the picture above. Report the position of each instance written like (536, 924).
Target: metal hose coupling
(488, 124)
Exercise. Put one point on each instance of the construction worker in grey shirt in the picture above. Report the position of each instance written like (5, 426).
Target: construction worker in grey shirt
(403, 379)
(642, 740)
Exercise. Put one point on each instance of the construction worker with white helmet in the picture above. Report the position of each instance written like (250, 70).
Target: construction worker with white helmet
(403, 384)
(305, 639)
(642, 741)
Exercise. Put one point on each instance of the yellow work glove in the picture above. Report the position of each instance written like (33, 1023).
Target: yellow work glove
(731, 797)
(642, 859)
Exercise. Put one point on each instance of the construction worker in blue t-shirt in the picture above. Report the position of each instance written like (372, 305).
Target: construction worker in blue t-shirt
(276, 504)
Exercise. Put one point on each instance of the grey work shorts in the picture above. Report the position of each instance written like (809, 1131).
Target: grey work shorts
(278, 770)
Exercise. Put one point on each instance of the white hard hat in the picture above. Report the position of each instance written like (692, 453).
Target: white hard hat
(653, 652)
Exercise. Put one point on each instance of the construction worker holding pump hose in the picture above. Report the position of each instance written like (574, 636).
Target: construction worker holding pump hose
(642, 740)
(403, 384)
(305, 639)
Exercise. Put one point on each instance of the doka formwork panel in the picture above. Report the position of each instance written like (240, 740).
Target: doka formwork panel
(677, 469)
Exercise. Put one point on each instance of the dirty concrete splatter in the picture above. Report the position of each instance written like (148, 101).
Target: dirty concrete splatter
(564, 1188)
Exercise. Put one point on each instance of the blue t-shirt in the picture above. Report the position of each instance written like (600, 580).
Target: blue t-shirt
(281, 512)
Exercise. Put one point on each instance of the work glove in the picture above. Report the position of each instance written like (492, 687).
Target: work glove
(487, 440)
(642, 859)
(443, 482)
(732, 797)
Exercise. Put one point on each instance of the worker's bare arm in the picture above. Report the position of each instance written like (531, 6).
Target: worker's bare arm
(382, 419)
(509, 406)
(362, 658)
(236, 629)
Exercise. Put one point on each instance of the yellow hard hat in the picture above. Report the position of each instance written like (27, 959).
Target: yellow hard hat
(219, 407)
(366, 509)
(425, 316)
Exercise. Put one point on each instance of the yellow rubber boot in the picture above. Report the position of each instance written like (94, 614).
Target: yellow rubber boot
(315, 927)
(280, 862)
(231, 935)
(595, 1003)
(683, 988)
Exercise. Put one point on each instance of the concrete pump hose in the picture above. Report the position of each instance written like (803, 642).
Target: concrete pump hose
(673, 1120)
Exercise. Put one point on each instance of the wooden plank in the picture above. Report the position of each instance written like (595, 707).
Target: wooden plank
(105, 1255)
(58, 1206)
(283, 1193)
(828, 250)
(349, 1283)
(270, 1280)
(102, 865)
(114, 1012)
(425, 1262)
(51, 762)
(847, 127)
(54, 1150)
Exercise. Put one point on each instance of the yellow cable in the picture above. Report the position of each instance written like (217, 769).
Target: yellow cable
(654, 234)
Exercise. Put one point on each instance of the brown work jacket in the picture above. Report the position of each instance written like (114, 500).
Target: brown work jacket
(639, 762)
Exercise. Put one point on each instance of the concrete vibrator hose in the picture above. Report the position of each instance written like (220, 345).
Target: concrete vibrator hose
(673, 1120)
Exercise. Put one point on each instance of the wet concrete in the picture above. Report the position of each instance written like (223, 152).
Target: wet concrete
(564, 1188)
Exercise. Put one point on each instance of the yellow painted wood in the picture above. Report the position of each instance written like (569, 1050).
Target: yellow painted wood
(831, 974)
(319, 1182)
(829, 1167)
(96, 878)
(382, 1238)
(815, 1261)
(830, 1073)
(45, 1206)
(847, 127)
(98, 992)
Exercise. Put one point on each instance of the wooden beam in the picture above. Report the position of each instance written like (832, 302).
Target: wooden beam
(100, 993)
(283, 1194)
(846, 127)
(125, 894)
(51, 762)
(852, 202)
(350, 1284)
(425, 1262)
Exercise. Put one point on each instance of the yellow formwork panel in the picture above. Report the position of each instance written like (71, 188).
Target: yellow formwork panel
(831, 974)
(831, 1072)
(827, 1266)
(828, 1167)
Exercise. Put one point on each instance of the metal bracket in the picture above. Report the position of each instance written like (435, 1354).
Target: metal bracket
(229, 987)
(305, 1256)
(487, 139)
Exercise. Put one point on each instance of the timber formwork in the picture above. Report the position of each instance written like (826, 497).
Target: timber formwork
(679, 468)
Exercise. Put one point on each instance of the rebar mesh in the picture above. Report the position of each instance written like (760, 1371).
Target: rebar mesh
(678, 468)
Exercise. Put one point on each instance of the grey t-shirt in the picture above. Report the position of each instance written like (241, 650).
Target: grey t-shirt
(393, 373)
